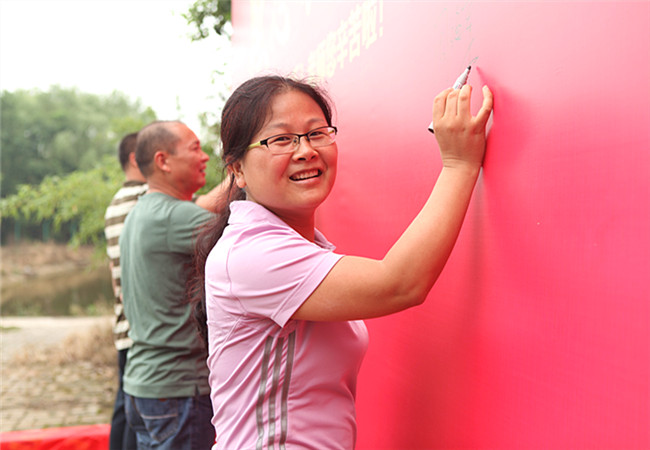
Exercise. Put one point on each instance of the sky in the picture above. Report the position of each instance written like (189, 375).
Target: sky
(139, 47)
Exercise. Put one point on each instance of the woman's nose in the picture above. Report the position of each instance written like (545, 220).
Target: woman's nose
(304, 150)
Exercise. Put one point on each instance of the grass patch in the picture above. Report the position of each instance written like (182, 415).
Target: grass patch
(94, 347)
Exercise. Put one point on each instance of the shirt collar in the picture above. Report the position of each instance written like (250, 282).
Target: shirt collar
(245, 211)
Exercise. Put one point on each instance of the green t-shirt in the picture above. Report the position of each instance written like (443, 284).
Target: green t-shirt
(167, 358)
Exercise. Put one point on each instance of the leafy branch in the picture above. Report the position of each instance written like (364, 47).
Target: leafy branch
(80, 197)
(208, 15)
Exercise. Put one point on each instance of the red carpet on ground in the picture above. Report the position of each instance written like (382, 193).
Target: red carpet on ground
(86, 437)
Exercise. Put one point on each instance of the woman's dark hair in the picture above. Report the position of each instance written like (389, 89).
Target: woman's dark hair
(245, 113)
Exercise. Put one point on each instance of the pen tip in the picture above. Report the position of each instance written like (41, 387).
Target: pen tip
(469, 67)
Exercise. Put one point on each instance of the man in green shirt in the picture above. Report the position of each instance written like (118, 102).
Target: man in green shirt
(166, 376)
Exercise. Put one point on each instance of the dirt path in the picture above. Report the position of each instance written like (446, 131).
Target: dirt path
(56, 372)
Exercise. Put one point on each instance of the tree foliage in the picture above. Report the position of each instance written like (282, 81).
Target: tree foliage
(59, 156)
(80, 197)
(212, 19)
(207, 15)
(60, 131)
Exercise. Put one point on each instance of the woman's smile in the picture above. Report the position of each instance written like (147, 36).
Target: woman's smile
(307, 174)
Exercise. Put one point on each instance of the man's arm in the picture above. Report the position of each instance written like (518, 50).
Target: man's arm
(217, 199)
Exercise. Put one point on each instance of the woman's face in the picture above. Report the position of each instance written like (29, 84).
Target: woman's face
(291, 185)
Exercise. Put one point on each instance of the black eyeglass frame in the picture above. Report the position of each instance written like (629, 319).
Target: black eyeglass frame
(265, 142)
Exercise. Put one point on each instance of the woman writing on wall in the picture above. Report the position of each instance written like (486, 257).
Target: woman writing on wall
(283, 310)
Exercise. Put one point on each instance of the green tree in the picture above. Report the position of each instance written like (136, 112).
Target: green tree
(60, 131)
(80, 197)
(59, 158)
(212, 19)
(208, 15)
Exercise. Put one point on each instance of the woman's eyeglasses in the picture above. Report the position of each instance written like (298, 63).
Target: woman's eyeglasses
(289, 142)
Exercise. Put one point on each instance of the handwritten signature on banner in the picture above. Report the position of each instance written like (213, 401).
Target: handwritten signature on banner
(355, 34)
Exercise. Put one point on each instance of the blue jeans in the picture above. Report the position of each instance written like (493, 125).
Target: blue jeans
(122, 437)
(171, 424)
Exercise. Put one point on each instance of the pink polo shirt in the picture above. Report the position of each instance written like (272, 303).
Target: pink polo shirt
(277, 382)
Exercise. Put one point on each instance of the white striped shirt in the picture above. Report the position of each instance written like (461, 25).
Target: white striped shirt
(122, 203)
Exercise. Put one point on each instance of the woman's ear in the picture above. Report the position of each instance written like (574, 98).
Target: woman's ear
(236, 169)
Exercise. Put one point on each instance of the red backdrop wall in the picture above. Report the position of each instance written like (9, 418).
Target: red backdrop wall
(537, 333)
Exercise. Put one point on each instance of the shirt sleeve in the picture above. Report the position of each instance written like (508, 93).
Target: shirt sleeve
(185, 222)
(274, 270)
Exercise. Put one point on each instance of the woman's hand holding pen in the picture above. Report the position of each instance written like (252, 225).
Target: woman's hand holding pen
(461, 136)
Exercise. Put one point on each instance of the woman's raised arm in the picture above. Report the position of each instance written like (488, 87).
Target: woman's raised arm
(360, 288)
